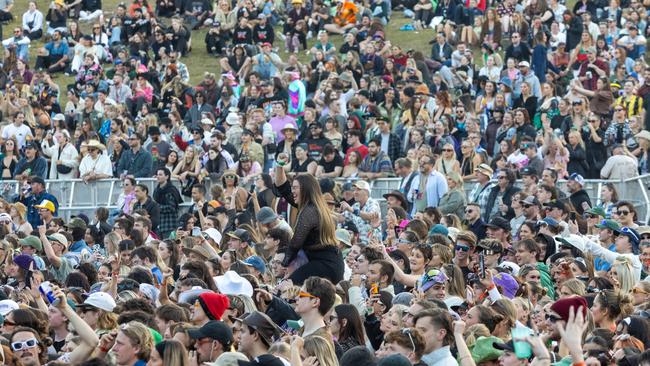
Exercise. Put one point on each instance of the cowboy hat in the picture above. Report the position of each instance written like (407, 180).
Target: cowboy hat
(94, 144)
(231, 283)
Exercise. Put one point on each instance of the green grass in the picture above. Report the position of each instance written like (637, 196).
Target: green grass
(198, 61)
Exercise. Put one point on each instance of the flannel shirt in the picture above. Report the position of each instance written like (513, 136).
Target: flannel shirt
(364, 227)
(379, 164)
(168, 198)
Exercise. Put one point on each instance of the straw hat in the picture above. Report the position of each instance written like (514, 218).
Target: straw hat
(94, 144)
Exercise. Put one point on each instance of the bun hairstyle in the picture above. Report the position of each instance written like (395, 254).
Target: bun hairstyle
(617, 304)
(489, 317)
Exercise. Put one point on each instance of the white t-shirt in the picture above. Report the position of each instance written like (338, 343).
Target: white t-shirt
(19, 132)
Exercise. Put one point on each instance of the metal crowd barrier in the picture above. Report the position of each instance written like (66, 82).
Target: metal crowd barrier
(75, 196)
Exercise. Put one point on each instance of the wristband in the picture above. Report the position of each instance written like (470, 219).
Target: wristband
(581, 363)
(104, 350)
(116, 273)
(492, 287)
(281, 163)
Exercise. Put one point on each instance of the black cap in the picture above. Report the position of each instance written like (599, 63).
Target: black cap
(556, 204)
(499, 223)
(263, 360)
(528, 171)
(37, 179)
(31, 145)
(213, 329)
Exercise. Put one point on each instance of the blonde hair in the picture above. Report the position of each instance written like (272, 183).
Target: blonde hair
(140, 336)
(576, 286)
(322, 349)
(474, 331)
(624, 274)
(106, 320)
(456, 178)
(21, 210)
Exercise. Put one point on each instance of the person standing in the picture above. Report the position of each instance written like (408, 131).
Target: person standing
(427, 187)
(33, 197)
(168, 197)
(64, 155)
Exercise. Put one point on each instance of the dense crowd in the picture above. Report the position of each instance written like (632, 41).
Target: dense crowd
(262, 242)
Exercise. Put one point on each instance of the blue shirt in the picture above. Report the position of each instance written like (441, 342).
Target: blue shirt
(61, 50)
(32, 200)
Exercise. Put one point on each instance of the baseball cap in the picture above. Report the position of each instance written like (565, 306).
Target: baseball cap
(59, 238)
(530, 200)
(240, 234)
(77, 223)
(344, 237)
(31, 241)
(256, 262)
(499, 223)
(362, 184)
(577, 178)
(528, 171)
(430, 278)
(574, 241)
(266, 215)
(597, 210)
(609, 224)
(556, 204)
(46, 204)
(263, 324)
(524, 64)
(99, 300)
(214, 329)
(7, 306)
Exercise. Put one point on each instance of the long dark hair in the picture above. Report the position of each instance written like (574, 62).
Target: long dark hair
(353, 327)
(310, 193)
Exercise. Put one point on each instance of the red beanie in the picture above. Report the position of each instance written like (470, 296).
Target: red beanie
(213, 304)
(562, 307)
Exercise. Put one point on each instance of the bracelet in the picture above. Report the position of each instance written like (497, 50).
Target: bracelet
(104, 350)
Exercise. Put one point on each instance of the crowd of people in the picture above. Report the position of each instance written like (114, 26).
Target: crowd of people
(262, 242)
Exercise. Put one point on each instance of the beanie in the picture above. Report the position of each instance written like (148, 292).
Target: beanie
(213, 304)
(25, 262)
(563, 306)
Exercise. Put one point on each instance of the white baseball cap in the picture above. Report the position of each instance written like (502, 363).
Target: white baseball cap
(99, 300)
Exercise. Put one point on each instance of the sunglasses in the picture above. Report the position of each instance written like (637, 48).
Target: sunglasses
(502, 177)
(528, 206)
(627, 230)
(448, 150)
(552, 318)
(623, 213)
(462, 248)
(307, 294)
(18, 346)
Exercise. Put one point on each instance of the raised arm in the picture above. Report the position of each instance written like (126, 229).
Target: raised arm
(89, 339)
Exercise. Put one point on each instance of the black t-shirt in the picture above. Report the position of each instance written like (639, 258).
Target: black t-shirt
(328, 167)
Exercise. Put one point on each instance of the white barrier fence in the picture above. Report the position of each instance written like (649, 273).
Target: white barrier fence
(75, 196)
